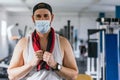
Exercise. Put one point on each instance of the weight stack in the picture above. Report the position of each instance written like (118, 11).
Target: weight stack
(92, 49)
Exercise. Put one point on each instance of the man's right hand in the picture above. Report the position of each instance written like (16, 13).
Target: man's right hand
(37, 58)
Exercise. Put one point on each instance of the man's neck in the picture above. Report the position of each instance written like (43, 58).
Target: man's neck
(44, 36)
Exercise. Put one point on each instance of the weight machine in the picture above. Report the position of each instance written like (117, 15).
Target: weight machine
(103, 51)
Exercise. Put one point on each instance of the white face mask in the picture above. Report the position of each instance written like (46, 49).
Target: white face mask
(42, 26)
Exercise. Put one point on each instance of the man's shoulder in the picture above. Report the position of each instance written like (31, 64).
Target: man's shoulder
(63, 40)
(23, 41)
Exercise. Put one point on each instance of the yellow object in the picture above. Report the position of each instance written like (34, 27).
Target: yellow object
(84, 77)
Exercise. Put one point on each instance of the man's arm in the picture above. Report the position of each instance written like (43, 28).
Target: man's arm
(17, 69)
(69, 68)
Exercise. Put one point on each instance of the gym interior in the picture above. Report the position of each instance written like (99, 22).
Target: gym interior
(91, 27)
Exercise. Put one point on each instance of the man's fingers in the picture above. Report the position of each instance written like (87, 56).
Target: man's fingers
(46, 56)
(39, 51)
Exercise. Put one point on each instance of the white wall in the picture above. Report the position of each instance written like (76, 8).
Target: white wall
(22, 18)
(3, 38)
(87, 21)
(60, 20)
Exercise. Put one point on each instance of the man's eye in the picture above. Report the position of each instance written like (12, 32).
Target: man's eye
(38, 16)
(45, 15)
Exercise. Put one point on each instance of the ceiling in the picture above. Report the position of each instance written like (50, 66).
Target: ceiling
(61, 5)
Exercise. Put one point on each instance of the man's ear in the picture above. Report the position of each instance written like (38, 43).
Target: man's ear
(52, 17)
(33, 19)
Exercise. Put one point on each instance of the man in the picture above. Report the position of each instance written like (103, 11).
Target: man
(44, 55)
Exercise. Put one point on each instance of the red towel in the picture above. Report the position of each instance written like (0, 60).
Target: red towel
(50, 47)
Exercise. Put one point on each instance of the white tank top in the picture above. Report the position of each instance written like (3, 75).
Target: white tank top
(43, 74)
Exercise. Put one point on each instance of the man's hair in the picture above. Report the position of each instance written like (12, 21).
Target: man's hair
(42, 6)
